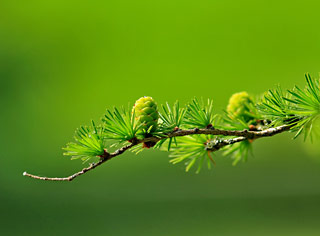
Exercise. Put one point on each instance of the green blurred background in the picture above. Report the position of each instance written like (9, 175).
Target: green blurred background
(63, 62)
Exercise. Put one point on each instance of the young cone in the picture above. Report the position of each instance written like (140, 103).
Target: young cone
(146, 114)
(239, 106)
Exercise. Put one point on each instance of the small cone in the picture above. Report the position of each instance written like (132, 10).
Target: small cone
(146, 113)
(239, 105)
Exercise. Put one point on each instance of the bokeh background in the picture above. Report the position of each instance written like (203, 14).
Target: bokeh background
(64, 62)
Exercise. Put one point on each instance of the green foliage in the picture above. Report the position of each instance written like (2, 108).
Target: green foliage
(298, 108)
(192, 150)
(305, 104)
(89, 143)
(171, 120)
(230, 122)
(199, 114)
(238, 151)
(120, 125)
(275, 107)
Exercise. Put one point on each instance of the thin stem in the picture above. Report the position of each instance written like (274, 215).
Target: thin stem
(241, 136)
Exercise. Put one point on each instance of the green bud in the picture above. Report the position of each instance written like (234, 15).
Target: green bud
(146, 113)
(239, 106)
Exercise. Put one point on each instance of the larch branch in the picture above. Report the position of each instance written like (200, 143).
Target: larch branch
(241, 135)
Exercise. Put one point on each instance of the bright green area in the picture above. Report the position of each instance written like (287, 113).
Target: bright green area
(63, 62)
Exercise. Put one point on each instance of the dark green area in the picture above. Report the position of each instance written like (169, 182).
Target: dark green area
(64, 62)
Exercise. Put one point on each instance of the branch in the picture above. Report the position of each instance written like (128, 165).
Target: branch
(241, 136)
(220, 143)
(239, 133)
(92, 166)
